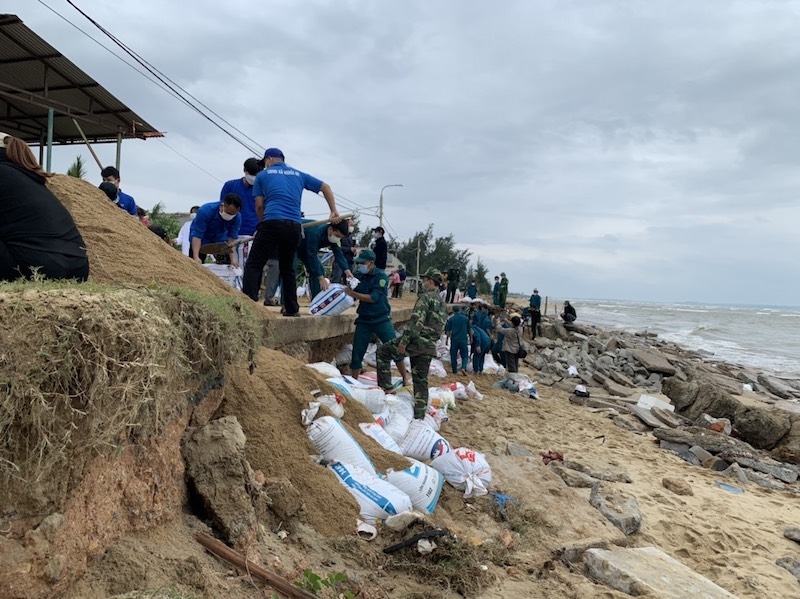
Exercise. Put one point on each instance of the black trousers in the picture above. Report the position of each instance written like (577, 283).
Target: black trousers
(279, 237)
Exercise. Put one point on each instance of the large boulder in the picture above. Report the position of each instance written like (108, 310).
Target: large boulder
(763, 428)
(713, 401)
(680, 393)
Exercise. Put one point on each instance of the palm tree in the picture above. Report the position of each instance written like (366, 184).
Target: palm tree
(78, 168)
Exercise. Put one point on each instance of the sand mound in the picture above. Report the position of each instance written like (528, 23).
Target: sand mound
(267, 404)
(121, 250)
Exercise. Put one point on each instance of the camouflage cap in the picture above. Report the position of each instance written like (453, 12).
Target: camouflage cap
(433, 273)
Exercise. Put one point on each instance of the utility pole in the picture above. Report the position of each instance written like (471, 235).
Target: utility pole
(380, 206)
(419, 240)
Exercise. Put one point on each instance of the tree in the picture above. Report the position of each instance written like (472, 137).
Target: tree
(78, 168)
(481, 277)
(169, 223)
(437, 252)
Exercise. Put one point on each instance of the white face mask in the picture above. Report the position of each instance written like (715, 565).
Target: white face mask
(225, 215)
(250, 179)
(333, 239)
(192, 215)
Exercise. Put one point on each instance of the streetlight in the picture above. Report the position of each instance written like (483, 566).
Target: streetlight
(380, 207)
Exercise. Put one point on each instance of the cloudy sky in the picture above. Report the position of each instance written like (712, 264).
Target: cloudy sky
(643, 150)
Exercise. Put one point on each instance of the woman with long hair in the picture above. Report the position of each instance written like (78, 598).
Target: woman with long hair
(38, 236)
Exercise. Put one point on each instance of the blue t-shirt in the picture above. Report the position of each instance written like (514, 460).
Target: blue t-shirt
(282, 187)
(126, 202)
(248, 211)
(459, 327)
(210, 227)
(536, 301)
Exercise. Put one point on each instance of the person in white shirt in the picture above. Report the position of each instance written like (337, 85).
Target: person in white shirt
(183, 239)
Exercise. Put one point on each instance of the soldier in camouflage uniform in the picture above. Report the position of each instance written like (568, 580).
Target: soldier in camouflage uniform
(418, 341)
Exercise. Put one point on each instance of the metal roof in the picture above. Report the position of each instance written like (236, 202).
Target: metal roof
(34, 76)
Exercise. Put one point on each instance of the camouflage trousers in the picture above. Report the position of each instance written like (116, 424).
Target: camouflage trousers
(420, 364)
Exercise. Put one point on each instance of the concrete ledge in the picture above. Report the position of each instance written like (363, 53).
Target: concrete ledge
(650, 571)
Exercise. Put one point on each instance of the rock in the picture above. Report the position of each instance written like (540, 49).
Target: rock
(793, 534)
(572, 478)
(729, 385)
(219, 475)
(654, 361)
(786, 454)
(607, 475)
(762, 428)
(700, 453)
(649, 571)
(622, 511)
(285, 500)
(599, 403)
(518, 450)
(630, 423)
(646, 416)
(736, 472)
(620, 378)
(573, 552)
(790, 564)
(681, 394)
(708, 440)
(713, 401)
(667, 417)
(764, 480)
(747, 377)
(617, 389)
(716, 464)
(679, 487)
(776, 386)
(787, 475)
(54, 568)
(673, 447)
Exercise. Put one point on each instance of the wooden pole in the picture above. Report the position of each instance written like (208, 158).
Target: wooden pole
(226, 554)
(88, 145)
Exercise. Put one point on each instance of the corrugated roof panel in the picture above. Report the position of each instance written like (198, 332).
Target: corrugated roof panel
(69, 90)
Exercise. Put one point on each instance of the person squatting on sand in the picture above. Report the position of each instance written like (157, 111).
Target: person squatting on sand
(37, 233)
(278, 192)
(418, 341)
(374, 312)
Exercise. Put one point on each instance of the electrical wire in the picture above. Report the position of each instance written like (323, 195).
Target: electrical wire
(190, 161)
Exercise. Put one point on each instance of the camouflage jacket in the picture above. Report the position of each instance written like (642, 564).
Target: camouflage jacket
(426, 324)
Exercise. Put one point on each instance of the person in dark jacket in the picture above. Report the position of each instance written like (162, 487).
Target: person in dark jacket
(322, 237)
(374, 312)
(348, 245)
(472, 290)
(496, 292)
(459, 332)
(38, 235)
(481, 344)
(569, 315)
(380, 248)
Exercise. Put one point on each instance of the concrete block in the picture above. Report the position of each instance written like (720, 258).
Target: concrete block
(649, 570)
(646, 416)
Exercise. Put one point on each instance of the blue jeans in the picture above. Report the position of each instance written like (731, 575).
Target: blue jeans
(364, 331)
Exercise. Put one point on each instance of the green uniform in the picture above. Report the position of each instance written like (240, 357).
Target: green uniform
(420, 337)
(374, 318)
(503, 292)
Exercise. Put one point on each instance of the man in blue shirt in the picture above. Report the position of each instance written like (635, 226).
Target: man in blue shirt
(123, 200)
(481, 344)
(278, 193)
(243, 187)
(374, 312)
(316, 239)
(216, 222)
(459, 332)
(496, 292)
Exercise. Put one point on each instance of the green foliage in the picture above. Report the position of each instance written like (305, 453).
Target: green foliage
(78, 168)
(335, 581)
(434, 252)
(161, 218)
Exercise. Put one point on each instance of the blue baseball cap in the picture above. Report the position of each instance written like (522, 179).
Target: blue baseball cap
(273, 153)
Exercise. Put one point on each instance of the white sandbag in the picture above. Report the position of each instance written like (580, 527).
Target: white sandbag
(436, 417)
(376, 431)
(572, 371)
(334, 403)
(377, 498)
(458, 389)
(331, 302)
(344, 356)
(473, 393)
(423, 443)
(333, 442)
(441, 397)
(228, 273)
(401, 410)
(325, 368)
(437, 369)
(489, 365)
(384, 418)
(373, 398)
(443, 348)
(370, 357)
(466, 470)
(421, 483)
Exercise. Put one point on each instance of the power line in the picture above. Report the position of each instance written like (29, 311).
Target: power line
(190, 161)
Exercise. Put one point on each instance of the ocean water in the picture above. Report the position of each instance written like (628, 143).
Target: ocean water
(760, 337)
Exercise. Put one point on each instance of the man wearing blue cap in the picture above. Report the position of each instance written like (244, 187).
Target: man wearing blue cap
(278, 193)
(374, 312)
